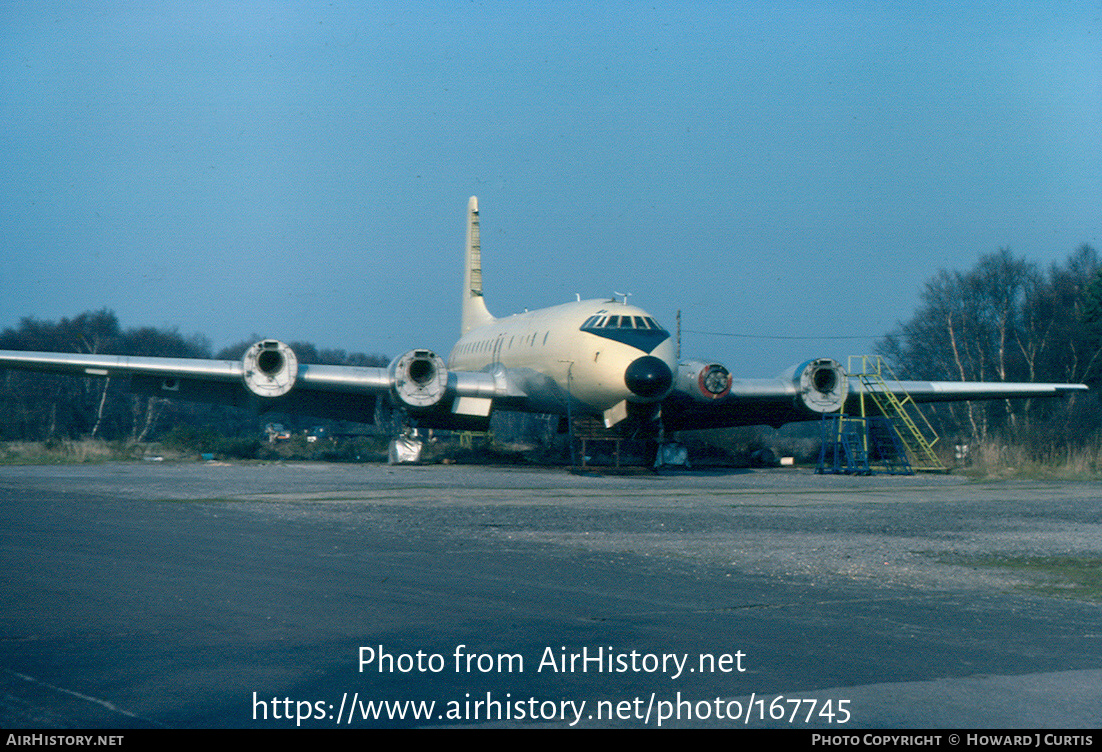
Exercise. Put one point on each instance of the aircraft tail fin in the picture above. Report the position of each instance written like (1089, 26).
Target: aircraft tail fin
(474, 306)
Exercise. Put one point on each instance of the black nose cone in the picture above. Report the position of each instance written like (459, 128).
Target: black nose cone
(648, 377)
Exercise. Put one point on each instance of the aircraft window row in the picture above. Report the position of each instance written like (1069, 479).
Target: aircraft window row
(621, 322)
(486, 345)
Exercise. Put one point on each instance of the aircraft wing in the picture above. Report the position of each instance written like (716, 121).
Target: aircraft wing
(269, 377)
(955, 391)
(116, 365)
(705, 396)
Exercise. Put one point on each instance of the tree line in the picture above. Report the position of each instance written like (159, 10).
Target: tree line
(42, 406)
(1003, 319)
(1007, 319)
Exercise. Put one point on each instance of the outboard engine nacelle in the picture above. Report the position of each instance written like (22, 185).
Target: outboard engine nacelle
(821, 385)
(269, 368)
(418, 379)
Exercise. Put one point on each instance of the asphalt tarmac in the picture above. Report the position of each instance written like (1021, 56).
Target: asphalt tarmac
(198, 595)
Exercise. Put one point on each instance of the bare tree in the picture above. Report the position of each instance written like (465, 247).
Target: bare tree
(1004, 320)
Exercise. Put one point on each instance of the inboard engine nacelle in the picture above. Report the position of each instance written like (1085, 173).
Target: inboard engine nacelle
(821, 385)
(704, 382)
(418, 379)
(269, 368)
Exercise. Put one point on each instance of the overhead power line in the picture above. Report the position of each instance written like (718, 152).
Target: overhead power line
(779, 336)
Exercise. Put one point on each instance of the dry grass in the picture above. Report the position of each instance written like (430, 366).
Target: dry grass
(989, 461)
(995, 460)
(74, 452)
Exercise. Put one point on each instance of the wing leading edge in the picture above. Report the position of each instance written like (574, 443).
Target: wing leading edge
(269, 377)
(705, 395)
(954, 391)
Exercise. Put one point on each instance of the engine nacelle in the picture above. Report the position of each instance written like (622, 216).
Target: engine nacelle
(418, 379)
(269, 368)
(821, 385)
(704, 382)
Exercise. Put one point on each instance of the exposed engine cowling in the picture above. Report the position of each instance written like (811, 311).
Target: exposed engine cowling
(269, 368)
(418, 379)
(704, 382)
(821, 385)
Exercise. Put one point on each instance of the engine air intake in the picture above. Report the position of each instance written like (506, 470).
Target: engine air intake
(269, 368)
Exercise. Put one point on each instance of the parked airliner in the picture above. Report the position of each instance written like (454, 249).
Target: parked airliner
(600, 358)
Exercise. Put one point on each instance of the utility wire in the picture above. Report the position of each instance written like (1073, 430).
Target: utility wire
(778, 336)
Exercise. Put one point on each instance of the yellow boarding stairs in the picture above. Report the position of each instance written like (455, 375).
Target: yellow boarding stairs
(886, 436)
(894, 407)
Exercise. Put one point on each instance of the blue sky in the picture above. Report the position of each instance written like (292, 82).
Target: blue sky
(778, 170)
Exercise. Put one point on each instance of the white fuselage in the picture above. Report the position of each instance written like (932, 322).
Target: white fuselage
(549, 351)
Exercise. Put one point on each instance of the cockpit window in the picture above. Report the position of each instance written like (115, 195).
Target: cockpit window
(641, 323)
(642, 332)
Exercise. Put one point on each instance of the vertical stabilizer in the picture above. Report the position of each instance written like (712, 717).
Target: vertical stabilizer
(474, 307)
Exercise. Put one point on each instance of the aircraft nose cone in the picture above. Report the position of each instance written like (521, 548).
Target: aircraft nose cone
(648, 377)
